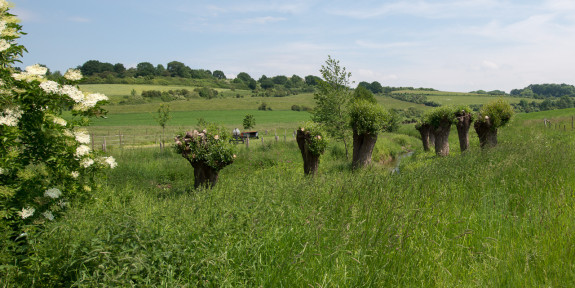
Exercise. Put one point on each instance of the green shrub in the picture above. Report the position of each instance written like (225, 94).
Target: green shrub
(369, 118)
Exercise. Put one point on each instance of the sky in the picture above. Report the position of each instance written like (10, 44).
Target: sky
(449, 45)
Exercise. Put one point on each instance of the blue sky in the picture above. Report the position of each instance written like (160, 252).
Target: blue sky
(444, 44)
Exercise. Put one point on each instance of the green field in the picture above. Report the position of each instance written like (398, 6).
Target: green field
(501, 217)
(458, 98)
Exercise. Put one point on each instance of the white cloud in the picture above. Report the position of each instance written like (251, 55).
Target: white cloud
(486, 64)
(79, 19)
(262, 20)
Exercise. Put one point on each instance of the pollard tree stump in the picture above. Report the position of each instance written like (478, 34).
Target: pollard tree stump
(486, 132)
(463, 124)
(363, 145)
(425, 132)
(441, 134)
(310, 159)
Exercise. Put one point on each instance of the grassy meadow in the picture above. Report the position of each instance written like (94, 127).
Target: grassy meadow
(501, 217)
(459, 98)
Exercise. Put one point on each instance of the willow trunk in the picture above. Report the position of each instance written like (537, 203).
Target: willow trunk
(362, 149)
(310, 160)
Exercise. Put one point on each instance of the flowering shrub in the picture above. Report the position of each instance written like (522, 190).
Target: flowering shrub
(45, 160)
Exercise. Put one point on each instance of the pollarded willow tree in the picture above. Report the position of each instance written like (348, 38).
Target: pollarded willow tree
(441, 119)
(367, 120)
(427, 137)
(312, 144)
(464, 118)
(332, 101)
(492, 116)
(208, 151)
(45, 160)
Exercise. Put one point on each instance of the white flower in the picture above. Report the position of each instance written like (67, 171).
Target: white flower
(53, 193)
(90, 101)
(10, 117)
(72, 92)
(36, 70)
(110, 161)
(4, 45)
(82, 150)
(73, 75)
(82, 136)
(1, 171)
(86, 162)
(50, 87)
(59, 121)
(75, 174)
(3, 5)
(48, 215)
(27, 212)
(62, 204)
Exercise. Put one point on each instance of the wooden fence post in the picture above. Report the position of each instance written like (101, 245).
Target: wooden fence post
(248, 142)
(92, 138)
(104, 145)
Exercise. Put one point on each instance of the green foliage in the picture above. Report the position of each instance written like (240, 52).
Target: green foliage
(362, 93)
(316, 141)
(440, 115)
(249, 121)
(264, 107)
(45, 161)
(461, 110)
(499, 113)
(368, 118)
(332, 100)
(209, 146)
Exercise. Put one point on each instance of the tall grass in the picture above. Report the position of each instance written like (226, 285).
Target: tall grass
(501, 217)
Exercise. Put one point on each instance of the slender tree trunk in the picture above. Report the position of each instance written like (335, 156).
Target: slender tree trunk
(441, 134)
(463, 124)
(362, 149)
(425, 131)
(486, 133)
(310, 161)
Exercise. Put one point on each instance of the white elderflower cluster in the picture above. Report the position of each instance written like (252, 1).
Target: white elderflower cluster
(53, 193)
(72, 92)
(87, 162)
(75, 174)
(110, 161)
(4, 45)
(48, 215)
(34, 72)
(82, 150)
(27, 212)
(73, 75)
(10, 117)
(59, 121)
(90, 101)
(82, 136)
(50, 87)
(3, 5)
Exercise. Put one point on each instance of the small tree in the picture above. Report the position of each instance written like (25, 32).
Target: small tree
(312, 144)
(367, 119)
(492, 116)
(332, 100)
(208, 152)
(440, 120)
(162, 117)
(464, 118)
(249, 122)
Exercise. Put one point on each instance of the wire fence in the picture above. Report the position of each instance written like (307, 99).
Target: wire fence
(118, 139)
